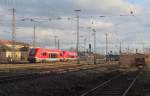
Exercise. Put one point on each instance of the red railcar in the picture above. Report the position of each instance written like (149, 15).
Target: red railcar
(47, 55)
(70, 55)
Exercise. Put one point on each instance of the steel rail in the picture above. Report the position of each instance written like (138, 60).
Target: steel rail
(106, 82)
(131, 85)
(100, 85)
(57, 70)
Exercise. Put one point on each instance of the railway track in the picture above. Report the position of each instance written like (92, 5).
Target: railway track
(37, 66)
(117, 86)
(52, 71)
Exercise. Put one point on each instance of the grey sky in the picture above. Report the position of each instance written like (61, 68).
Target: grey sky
(131, 30)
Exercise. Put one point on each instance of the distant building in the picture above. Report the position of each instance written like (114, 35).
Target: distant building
(10, 44)
(13, 51)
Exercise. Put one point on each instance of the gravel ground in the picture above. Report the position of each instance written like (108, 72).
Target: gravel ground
(146, 82)
(66, 84)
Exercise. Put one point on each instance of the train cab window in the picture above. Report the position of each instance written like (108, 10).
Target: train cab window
(32, 52)
(53, 55)
(44, 54)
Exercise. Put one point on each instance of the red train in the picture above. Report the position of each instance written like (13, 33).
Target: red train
(47, 55)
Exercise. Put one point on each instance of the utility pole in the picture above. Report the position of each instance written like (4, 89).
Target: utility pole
(143, 47)
(94, 46)
(34, 36)
(55, 37)
(13, 33)
(58, 44)
(50, 42)
(120, 50)
(106, 46)
(34, 32)
(89, 28)
(77, 45)
(85, 45)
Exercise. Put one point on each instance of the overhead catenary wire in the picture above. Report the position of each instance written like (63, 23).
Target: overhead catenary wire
(15, 2)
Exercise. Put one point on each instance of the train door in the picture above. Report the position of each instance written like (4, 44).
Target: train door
(54, 57)
(44, 56)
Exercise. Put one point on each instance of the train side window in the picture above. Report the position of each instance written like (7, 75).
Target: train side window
(72, 56)
(44, 54)
(61, 54)
(49, 55)
(53, 55)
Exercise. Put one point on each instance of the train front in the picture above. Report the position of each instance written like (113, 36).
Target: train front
(32, 55)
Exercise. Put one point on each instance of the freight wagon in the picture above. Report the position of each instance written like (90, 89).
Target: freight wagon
(132, 60)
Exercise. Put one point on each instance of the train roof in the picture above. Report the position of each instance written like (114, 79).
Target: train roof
(53, 50)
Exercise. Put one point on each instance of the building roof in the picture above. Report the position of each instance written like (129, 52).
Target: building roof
(8, 42)
(7, 45)
(4, 48)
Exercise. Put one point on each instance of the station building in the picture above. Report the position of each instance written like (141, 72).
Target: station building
(10, 51)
